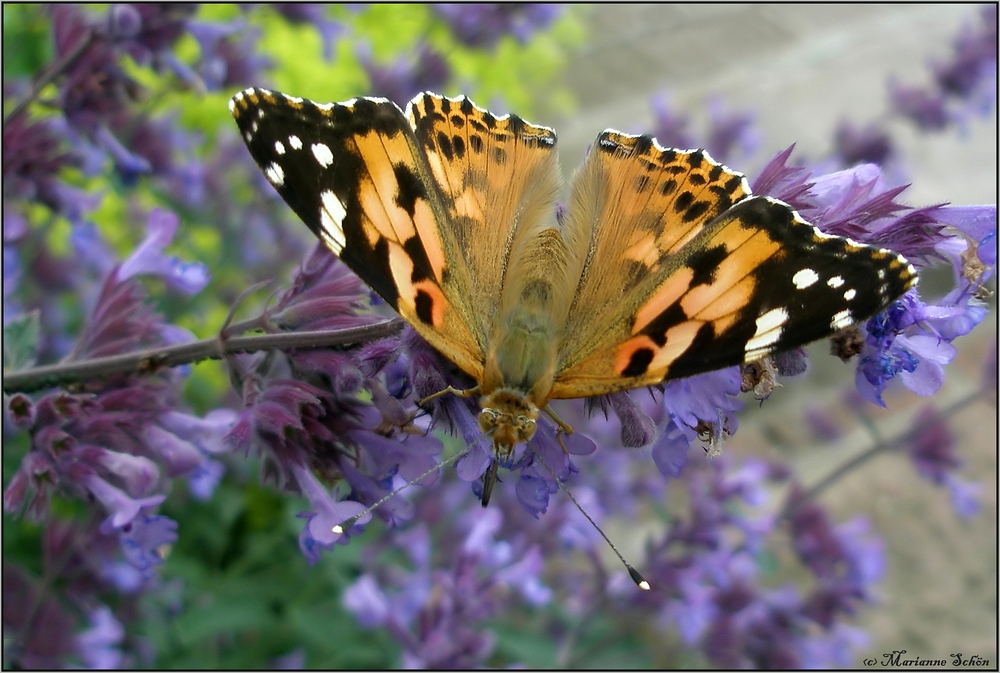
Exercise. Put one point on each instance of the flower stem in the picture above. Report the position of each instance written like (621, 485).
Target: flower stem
(53, 71)
(882, 446)
(153, 359)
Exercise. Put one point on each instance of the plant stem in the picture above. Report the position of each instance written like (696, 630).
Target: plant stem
(54, 71)
(882, 446)
(152, 359)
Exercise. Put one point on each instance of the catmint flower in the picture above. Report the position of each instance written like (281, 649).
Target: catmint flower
(142, 540)
(316, 14)
(34, 155)
(933, 453)
(98, 646)
(324, 515)
(148, 257)
(855, 145)
(670, 126)
(229, 55)
(731, 135)
(36, 638)
(400, 81)
(483, 25)
(927, 109)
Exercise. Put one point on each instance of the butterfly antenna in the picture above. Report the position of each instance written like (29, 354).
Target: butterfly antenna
(345, 525)
(636, 576)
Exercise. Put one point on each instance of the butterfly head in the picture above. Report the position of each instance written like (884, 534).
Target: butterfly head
(509, 419)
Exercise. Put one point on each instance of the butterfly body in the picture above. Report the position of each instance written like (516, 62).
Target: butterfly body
(663, 265)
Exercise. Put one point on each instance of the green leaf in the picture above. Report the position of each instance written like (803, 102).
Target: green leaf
(20, 341)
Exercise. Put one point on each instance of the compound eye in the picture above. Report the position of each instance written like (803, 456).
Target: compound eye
(488, 419)
(526, 427)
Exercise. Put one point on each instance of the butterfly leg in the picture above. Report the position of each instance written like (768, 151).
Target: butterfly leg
(449, 390)
(564, 427)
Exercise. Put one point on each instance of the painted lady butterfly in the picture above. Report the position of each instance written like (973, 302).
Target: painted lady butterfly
(663, 265)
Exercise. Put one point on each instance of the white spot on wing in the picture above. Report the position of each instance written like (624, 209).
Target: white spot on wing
(295, 142)
(278, 147)
(850, 294)
(841, 320)
(835, 282)
(323, 154)
(804, 278)
(331, 216)
(275, 174)
(768, 332)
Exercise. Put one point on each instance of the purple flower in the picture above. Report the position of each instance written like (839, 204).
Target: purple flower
(120, 322)
(862, 146)
(34, 155)
(974, 57)
(483, 25)
(367, 601)
(696, 399)
(204, 478)
(730, 134)
(966, 496)
(400, 81)
(20, 411)
(911, 340)
(980, 224)
(671, 449)
(142, 539)
(40, 628)
(670, 126)
(324, 295)
(229, 55)
(927, 109)
(121, 508)
(932, 451)
(326, 513)
(315, 14)
(788, 183)
(148, 257)
(438, 616)
(99, 645)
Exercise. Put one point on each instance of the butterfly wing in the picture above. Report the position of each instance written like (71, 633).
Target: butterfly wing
(681, 271)
(402, 199)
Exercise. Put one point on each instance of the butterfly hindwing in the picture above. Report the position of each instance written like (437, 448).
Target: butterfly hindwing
(499, 179)
(713, 285)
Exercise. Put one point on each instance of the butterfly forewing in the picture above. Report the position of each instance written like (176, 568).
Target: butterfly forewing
(354, 173)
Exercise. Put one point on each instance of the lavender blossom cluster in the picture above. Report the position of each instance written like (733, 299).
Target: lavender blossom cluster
(339, 427)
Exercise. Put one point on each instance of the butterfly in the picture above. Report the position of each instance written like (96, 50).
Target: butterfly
(662, 265)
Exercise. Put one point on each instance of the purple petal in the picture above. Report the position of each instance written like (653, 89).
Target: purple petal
(136, 472)
(670, 451)
(326, 513)
(148, 258)
(98, 645)
(142, 539)
(121, 507)
(367, 601)
(204, 478)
